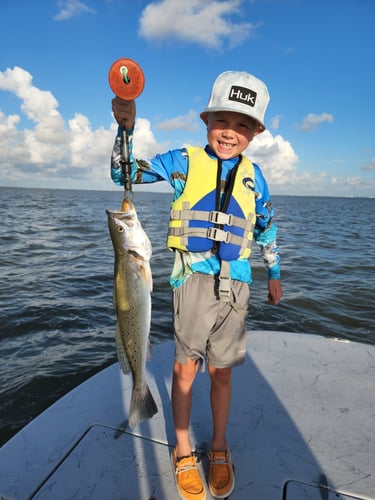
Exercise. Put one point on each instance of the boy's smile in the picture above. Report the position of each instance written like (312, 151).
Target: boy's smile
(229, 133)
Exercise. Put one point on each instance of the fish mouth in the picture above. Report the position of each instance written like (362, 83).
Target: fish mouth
(127, 206)
(119, 214)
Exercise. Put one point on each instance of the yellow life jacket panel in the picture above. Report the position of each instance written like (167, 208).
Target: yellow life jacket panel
(201, 221)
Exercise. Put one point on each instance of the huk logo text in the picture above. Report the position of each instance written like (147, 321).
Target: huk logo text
(243, 95)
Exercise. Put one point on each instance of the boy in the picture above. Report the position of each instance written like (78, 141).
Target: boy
(221, 201)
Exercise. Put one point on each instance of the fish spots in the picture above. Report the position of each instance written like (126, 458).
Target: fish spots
(132, 286)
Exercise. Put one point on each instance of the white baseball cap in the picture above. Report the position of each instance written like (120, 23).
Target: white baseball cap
(240, 92)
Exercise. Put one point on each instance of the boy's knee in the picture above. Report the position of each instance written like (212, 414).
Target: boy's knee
(220, 375)
(186, 371)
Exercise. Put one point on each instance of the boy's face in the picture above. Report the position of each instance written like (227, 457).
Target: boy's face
(229, 133)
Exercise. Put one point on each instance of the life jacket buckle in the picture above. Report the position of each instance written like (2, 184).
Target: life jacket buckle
(220, 218)
(224, 288)
(213, 233)
(224, 282)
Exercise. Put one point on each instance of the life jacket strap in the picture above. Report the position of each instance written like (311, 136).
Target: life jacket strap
(224, 282)
(211, 233)
(214, 216)
(225, 290)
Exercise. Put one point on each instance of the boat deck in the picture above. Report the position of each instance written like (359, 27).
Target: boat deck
(302, 427)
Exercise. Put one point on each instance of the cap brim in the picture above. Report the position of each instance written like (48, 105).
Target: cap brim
(213, 110)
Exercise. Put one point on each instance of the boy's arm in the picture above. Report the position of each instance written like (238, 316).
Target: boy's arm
(124, 113)
(265, 235)
(141, 170)
(271, 260)
(170, 166)
(275, 291)
(116, 157)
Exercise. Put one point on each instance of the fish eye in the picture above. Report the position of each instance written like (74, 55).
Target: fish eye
(120, 229)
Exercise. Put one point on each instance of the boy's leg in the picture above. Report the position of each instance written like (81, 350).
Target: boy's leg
(221, 478)
(182, 382)
(189, 481)
(220, 396)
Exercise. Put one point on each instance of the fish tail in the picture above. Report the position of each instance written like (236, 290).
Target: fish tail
(142, 406)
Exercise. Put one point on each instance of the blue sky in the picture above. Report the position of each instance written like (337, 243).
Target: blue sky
(316, 57)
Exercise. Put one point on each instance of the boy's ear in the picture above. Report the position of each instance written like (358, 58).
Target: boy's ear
(258, 130)
(203, 116)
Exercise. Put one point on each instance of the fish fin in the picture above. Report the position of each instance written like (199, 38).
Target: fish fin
(142, 406)
(121, 355)
(149, 351)
(147, 275)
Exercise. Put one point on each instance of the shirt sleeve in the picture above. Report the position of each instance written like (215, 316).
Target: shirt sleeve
(265, 230)
(171, 166)
(136, 166)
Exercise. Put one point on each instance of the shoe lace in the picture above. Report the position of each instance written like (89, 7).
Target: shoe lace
(219, 459)
(186, 466)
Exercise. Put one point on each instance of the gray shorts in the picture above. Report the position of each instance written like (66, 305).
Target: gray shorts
(207, 328)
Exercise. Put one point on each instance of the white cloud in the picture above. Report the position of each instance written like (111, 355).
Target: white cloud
(71, 8)
(8, 124)
(11, 148)
(354, 180)
(275, 155)
(34, 101)
(280, 166)
(275, 122)
(58, 153)
(188, 122)
(370, 166)
(311, 121)
(50, 149)
(88, 148)
(145, 144)
(189, 21)
(38, 105)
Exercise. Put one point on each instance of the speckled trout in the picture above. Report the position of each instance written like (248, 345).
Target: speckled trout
(132, 298)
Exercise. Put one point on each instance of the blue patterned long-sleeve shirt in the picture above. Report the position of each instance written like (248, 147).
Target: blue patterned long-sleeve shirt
(173, 167)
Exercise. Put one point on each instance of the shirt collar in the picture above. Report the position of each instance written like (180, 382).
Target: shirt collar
(230, 162)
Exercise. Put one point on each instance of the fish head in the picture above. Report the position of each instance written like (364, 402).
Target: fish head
(127, 234)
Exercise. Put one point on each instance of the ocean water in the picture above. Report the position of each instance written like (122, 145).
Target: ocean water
(56, 265)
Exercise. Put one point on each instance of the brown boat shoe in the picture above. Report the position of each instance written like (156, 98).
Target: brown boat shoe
(188, 479)
(221, 477)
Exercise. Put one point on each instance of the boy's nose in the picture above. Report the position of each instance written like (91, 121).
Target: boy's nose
(227, 133)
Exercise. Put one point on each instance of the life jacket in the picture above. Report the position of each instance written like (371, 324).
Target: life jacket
(201, 221)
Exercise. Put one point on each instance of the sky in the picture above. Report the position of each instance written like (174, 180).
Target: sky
(315, 56)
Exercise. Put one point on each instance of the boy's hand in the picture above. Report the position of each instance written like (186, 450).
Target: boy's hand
(124, 112)
(274, 291)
